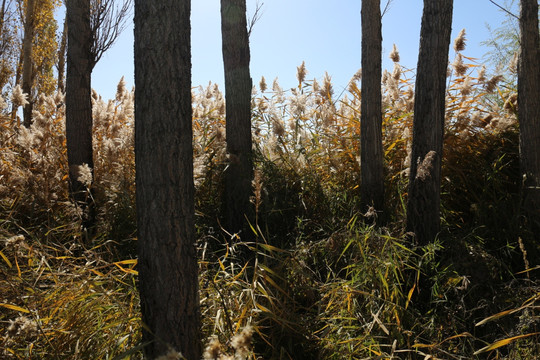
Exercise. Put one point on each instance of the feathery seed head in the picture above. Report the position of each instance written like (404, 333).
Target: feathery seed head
(513, 65)
(262, 84)
(316, 87)
(396, 73)
(357, 76)
(278, 128)
(459, 66)
(172, 355)
(301, 73)
(491, 84)
(425, 166)
(327, 90)
(394, 54)
(466, 87)
(482, 74)
(120, 89)
(84, 174)
(212, 350)
(511, 104)
(241, 343)
(459, 42)
(18, 97)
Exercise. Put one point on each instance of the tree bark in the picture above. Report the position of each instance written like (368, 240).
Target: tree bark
(238, 86)
(529, 111)
(28, 66)
(62, 58)
(423, 204)
(79, 105)
(371, 156)
(168, 280)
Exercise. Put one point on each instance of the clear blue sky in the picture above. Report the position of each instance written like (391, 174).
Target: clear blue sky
(325, 34)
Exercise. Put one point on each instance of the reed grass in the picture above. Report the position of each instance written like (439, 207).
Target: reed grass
(323, 284)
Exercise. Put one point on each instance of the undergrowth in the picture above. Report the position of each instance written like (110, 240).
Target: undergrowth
(323, 284)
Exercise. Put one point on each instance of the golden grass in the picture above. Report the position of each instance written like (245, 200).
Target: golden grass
(322, 284)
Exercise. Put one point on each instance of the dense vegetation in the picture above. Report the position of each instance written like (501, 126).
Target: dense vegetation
(324, 285)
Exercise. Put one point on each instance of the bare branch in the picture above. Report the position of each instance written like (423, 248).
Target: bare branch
(504, 9)
(107, 23)
(386, 7)
(256, 17)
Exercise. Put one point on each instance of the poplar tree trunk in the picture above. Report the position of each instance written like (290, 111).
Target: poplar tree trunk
(62, 58)
(423, 214)
(79, 105)
(371, 156)
(238, 85)
(167, 266)
(29, 30)
(529, 111)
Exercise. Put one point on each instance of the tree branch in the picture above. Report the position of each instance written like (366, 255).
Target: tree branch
(504, 9)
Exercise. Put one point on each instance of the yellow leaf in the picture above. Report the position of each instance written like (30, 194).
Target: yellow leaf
(97, 273)
(503, 342)
(496, 316)
(263, 308)
(127, 262)
(5, 259)
(18, 268)
(15, 307)
(128, 271)
(271, 248)
(221, 265)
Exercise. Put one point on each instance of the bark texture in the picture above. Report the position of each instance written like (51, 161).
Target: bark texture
(423, 204)
(62, 58)
(529, 111)
(164, 178)
(79, 104)
(371, 156)
(238, 84)
(28, 66)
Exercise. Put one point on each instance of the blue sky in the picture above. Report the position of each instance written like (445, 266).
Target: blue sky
(325, 34)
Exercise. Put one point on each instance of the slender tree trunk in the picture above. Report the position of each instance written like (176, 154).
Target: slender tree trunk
(2, 15)
(529, 111)
(79, 105)
(167, 265)
(62, 58)
(423, 204)
(238, 84)
(371, 156)
(18, 74)
(28, 65)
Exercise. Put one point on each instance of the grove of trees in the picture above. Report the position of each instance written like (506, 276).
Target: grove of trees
(394, 223)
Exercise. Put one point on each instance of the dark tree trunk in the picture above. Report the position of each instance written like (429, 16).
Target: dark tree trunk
(79, 104)
(62, 58)
(423, 216)
(28, 63)
(239, 173)
(167, 265)
(372, 186)
(529, 111)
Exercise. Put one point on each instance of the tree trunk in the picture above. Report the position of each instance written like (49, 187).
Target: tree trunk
(167, 265)
(371, 156)
(79, 105)
(28, 66)
(239, 173)
(62, 58)
(429, 111)
(529, 111)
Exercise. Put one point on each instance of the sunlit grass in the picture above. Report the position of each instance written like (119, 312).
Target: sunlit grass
(321, 283)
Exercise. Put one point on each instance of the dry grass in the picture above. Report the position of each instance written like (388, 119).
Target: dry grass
(322, 284)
